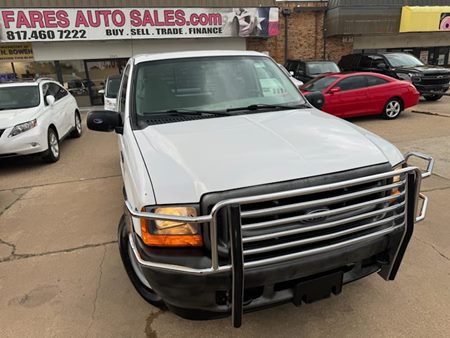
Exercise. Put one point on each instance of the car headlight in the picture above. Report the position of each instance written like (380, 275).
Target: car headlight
(171, 233)
(20, 128)
(404, 76)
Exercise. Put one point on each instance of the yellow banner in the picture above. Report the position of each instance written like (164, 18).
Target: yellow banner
(16, 52)
(425, 19)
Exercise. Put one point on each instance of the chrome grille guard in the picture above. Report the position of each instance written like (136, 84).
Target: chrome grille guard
(411, 177)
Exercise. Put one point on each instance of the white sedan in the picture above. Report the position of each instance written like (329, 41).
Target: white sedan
(35, 116)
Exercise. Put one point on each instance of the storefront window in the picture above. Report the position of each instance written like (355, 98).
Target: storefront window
(75, 81)
(99, 72)
(27, 70)
(31, 70)
(6, 71)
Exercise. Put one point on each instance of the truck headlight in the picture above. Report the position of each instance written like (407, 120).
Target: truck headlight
(396, 191)
(20, 128)
(172, 233)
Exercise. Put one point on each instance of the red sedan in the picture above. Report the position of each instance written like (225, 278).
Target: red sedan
(357, 94)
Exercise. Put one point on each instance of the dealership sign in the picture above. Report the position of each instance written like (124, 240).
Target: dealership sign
(16, 52)
(18, 25)
(425, 19)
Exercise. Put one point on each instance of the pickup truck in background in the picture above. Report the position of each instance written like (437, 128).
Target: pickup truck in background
(239, 194)
(431, 81)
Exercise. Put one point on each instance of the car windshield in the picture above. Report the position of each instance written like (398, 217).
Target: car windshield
(319, 83)
(113, 87)
(403, 60)
(315, 68)
(211, 84)
(19, 97)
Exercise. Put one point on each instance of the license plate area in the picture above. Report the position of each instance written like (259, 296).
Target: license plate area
(317, 288)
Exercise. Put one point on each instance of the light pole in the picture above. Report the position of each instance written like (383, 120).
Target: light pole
(286, 12)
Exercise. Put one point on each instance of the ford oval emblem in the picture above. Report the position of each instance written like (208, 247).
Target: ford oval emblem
(97, 121)
(317, 219)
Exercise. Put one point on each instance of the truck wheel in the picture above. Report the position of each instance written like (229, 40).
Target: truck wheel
(77, 129)
(392, 109)
(145, 291)
(52, 153)
(432, 97)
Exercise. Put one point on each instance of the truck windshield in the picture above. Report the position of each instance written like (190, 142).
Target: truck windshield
(403, 60)
(19, 97)
(316, 68)
(211, 84)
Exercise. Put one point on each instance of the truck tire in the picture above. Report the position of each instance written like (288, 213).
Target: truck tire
(434, 97)
(125, 250)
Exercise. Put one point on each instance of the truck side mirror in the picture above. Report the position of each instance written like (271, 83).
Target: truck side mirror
(104, 120)
(382, 65)
(317, 99)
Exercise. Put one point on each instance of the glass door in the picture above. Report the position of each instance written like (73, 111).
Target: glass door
(97, 73)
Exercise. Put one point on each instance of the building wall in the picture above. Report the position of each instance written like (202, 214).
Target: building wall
(336, 47)
(402, 40)
(85, 50)
(305, 35)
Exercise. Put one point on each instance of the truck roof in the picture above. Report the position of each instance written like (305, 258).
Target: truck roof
(193, 54)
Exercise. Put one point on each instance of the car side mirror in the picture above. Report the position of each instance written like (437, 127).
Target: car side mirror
(50, 99)
(382, 65)
(104, 120)
(335, 90)
(101, 91)
(317, 99)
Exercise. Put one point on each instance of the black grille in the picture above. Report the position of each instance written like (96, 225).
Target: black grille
(311, 220)
(435, 79)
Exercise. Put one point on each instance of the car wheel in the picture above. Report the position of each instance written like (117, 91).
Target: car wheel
(139, 282)
(392, 109)
(77, 129)
(432, 97)
(52, 153)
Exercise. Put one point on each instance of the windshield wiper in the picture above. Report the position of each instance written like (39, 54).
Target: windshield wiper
(256, 107)
(188, 112)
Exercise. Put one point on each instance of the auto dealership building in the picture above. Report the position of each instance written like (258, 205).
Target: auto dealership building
(81, 42)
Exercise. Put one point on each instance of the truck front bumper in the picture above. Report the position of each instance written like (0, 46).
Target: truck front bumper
(206, 296)
(310, 269)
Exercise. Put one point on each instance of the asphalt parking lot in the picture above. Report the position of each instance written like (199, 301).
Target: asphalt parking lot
(61, 274)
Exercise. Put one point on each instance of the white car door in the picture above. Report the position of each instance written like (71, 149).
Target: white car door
(66, 108)
(57, 113)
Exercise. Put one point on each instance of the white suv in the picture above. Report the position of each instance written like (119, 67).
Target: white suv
(240, 195)
(35, 116)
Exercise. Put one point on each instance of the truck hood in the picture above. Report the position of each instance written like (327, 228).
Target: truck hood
(11, 117)
(188, 159)
(426, 70)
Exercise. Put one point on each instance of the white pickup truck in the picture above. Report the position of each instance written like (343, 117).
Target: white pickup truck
(240, 195)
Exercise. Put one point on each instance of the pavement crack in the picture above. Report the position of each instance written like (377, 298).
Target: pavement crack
(64, 182)
(14, 256)
(431, 245)
(435, 189)
(429, 113)
(94, 309)
(149, 330)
